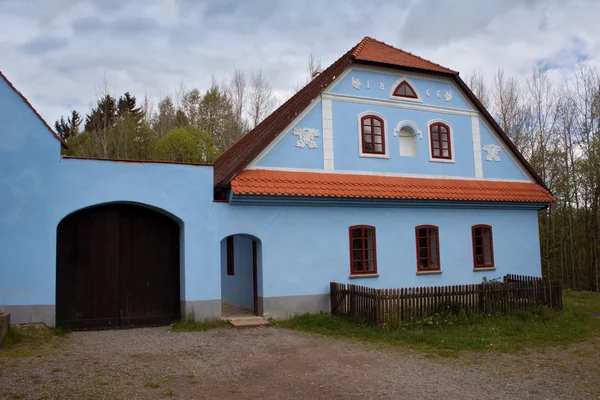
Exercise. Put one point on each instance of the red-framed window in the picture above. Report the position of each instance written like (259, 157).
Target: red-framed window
(372, 135)
(230, 265)
(483, 246)
(363, 252)
(405, 90)
(439, 137)
(428, 248)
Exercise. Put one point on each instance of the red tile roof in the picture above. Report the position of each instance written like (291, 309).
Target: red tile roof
(368, 51)
(10, 85)
(314, 184)
(375, 51)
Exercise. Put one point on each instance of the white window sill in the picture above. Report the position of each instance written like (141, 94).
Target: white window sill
(484, 269)
(358, 276)
(366, 155)
(429, 272)
(441, 160)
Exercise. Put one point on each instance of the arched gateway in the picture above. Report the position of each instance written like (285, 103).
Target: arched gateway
(117, 265)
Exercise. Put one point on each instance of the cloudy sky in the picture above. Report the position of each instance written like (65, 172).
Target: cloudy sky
(59, 52)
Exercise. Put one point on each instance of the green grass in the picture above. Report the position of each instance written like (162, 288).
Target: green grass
(190, 325)
(450, 334)
(24, 340)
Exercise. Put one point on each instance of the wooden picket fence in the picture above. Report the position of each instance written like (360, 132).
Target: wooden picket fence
(382, 306)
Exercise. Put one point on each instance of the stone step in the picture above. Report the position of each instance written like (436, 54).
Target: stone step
(244, 322)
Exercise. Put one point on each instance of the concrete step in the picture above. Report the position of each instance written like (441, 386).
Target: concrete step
(246, 322)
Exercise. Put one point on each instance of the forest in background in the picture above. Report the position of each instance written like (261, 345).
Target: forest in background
(556, 128)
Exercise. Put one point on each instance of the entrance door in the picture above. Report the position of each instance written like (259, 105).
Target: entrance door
(255, 276)
(117, 265)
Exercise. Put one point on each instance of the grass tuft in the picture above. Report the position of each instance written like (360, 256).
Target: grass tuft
(190, 325)
(29, 339)
(448, 334)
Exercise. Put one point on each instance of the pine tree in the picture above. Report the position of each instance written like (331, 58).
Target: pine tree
(69, 128)
(103, 115)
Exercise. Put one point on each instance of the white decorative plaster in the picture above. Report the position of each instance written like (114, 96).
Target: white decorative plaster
(492, 151)
(306, 137)
(476, 147)
(356, 83)
(457, 92)
(327, 110)
(406, 122)
(448, 95)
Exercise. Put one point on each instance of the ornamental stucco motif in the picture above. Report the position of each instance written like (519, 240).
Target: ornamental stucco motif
(492, 151)
(306, 137)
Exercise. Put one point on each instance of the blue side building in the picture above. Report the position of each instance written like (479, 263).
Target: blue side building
(384, 170)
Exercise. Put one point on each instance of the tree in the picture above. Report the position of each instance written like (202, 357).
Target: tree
(189, 144)
(261, 99)
(69, 128)
(476, 82)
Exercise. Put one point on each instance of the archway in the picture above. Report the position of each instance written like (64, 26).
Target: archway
(117, 265)
(408, 142)
(241, 275)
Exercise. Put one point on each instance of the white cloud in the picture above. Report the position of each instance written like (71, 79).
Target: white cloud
(58, 53)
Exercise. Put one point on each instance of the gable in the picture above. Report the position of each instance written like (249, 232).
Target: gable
(299, 146)
(21, 124)
(364, 56)
(498, 162)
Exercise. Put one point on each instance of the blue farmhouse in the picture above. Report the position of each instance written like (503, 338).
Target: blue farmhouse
(384, 170)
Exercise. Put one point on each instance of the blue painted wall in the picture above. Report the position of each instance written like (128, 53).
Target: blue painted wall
(285, 154)
(238, 289)
(346, 143)
(506, 168)
(421, 85)
(304, 248)
(38, 189)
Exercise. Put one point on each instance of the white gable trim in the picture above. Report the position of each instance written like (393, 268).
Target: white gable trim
(398, 104)
(282, 133)
(400, 175)
(327, 118)
(476, 146)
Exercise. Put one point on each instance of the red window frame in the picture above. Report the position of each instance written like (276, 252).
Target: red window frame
(425, 262)
(360, 234)
(230, 264)
(368, 121)
(405, 85)
(437, 140)
(481, 251)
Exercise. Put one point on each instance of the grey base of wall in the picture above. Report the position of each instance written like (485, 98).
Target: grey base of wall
(286, 306)
(30, 314)
(201, 309)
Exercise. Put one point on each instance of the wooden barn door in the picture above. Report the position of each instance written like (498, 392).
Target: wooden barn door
(117, 265)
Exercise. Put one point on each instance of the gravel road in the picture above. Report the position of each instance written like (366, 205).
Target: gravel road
(273, 363)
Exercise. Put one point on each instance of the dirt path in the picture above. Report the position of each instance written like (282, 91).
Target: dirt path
(272, 363)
